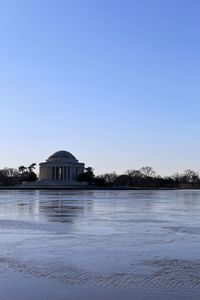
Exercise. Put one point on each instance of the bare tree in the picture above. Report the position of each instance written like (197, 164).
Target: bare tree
(11, 172)
(148, 171)
(134, 173)
(190, 176)
(110, 178)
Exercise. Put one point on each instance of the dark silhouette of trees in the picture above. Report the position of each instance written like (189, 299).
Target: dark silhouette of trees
(190, 176)
(148, 171)
(134, 173)
(31, 167)
(11, 176)
(31, 176)
(135, 177)
(22, 170)
(100, 181)
(107, 179)
(146, 178)
(88, 176)
(143, 178)
(122, 180)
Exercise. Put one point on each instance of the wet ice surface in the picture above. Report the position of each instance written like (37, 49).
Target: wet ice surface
(100, 245)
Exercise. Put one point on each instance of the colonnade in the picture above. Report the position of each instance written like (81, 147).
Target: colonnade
(59, 172)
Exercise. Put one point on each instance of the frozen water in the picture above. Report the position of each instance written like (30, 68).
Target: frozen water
(104, 243)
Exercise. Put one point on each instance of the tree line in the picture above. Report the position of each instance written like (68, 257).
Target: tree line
(12, 176)
(145, 177)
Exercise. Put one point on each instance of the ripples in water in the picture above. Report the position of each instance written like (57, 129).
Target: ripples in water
(173, 276)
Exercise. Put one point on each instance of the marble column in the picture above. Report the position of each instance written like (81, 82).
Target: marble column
(61, 173)
(65, 173)
(57, 170)
(53, 173)
(68, 173)
(48, 173)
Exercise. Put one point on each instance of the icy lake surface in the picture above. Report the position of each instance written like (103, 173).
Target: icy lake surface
(100, 245)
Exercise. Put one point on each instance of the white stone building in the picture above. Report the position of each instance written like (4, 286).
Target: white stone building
(60, 168)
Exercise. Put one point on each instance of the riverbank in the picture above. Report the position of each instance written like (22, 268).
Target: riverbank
(60, 187)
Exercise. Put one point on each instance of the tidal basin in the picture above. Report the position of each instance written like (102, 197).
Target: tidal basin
(100, 245)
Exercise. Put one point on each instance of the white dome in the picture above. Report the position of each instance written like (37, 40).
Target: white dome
(61, 155)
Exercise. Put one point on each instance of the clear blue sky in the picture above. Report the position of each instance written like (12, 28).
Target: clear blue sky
(115, 82)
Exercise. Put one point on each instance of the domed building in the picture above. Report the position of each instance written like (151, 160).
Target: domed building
(61, 168)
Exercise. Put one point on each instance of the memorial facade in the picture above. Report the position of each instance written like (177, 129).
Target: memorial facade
(61, 167)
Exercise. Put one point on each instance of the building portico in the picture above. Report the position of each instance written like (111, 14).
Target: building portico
(62, 167)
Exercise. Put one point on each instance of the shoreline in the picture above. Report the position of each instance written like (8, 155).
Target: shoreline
(91, 188)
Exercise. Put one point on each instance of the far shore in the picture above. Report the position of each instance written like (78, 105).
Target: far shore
(90, 188)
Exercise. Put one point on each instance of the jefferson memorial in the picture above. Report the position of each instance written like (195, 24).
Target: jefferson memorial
(60, 168)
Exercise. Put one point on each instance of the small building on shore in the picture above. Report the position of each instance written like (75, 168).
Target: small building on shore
(60, 168)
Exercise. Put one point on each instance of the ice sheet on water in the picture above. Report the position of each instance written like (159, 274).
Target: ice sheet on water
(127, 239)
(184, 229)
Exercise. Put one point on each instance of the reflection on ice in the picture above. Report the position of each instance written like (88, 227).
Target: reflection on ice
(126, 239)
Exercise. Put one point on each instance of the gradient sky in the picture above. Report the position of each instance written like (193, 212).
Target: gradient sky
(115, 82)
